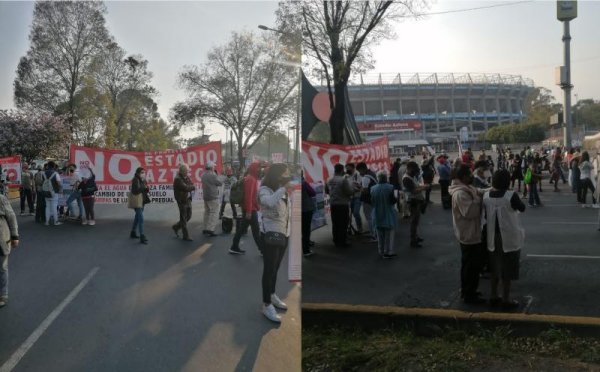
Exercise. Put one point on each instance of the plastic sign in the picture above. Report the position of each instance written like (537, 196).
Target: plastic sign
(566, 10)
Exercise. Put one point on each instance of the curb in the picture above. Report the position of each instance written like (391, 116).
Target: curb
(428, 321)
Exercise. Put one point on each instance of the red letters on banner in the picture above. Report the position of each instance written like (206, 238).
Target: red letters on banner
(118, 167)
(318, 159)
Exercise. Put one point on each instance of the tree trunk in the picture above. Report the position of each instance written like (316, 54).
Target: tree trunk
(337, 122)
(241, 154)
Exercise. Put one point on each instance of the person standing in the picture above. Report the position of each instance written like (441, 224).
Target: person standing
(444, 180)
(340, 193)
(250, 210)
(75, 193)
(9, 235)
(466, 219)
(415, 200)
(229, 181)
(274, 206)
(40, 205)
(536, 176)
(576, 176)
(210, 193)
(356, 181)
(308, 208)
(139, 190)
(517, 173)
(505, 237)
(87, 188)
(402, 202)
(368, 179)
(586, 177)
(182, 188)
(26, 190)
(384, 216)
(52, 186)
(428, 174)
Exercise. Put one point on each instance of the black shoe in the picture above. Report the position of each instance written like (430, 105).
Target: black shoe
(416, 245)
(420, 240)
(133, 235)
(308, 253)
(510, 305)
(143, 239)
(211, 234)
(236, 251)
(204, 232)
(176, 231)
(474, 300)
(311, 243)
(188, 239)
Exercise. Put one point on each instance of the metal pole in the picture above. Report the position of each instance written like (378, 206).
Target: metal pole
(567, 86)
(298, 117)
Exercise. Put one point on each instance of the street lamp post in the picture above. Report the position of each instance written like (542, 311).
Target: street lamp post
(565, 12)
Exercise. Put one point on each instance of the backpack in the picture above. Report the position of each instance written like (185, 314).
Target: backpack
(237, 192)
(528, 176)
(47, 188)
(365, 196)
(90, 187)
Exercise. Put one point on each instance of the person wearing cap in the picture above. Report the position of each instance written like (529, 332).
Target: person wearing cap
(444, 171)
(27, 189)
(227, 184)
(182, 188)
(210, 194)
(9, 234)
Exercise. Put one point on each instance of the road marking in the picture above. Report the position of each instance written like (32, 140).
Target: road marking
(31, 340)
(569, 223)
(528, 304)
(560, 256)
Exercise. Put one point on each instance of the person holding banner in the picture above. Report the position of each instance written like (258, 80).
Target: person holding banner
(210, 190)
(182, 187)
(340, 192)
(274, 206)
(139, 187)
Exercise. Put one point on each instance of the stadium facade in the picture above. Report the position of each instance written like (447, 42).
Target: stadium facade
(433, 108)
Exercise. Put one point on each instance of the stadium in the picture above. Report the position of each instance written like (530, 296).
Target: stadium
(435, 109)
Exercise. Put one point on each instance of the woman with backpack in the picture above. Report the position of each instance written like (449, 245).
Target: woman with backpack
(273, 200)
(88, 188)
(138, 200)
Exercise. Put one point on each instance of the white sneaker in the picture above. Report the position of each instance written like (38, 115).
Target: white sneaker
(92, 222)
(84, 222)
(276, 301)
(58, 223)
(271, 313)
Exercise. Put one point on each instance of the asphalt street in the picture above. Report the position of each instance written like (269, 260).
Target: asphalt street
(560, 263)
(119, 305)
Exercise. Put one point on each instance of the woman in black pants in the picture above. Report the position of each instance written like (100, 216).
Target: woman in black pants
(273, 200)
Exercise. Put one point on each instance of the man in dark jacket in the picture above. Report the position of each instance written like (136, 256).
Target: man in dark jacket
(249, 210)
(182, 187)
(308, 208)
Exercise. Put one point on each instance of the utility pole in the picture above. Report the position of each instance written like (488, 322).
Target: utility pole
(566, 10)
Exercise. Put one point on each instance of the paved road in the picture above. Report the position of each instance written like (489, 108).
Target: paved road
(429, 277)
(167, 306)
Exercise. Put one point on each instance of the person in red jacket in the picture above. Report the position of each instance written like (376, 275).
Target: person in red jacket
(249, 210)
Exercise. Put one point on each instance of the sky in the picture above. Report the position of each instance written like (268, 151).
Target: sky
(522, 39)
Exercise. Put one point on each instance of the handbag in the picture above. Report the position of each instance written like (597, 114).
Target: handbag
(135, 201)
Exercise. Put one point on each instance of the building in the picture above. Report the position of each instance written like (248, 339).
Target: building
(435, 109)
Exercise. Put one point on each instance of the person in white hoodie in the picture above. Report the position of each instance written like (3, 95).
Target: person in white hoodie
(274, 226)
(466, 218)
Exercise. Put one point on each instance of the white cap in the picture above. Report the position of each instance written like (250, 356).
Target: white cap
(210, 165)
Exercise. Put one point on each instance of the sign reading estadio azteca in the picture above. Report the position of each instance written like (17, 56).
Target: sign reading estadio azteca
(318, 159)
(114, 169)
(376, 126)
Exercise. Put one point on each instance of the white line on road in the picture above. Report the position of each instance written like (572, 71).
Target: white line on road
(560, 256)
(24, 348)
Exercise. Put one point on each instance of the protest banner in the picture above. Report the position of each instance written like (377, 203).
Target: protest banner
(318, 160)
(114, 169)
(12, 166)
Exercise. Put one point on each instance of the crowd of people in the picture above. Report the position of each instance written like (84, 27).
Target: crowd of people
(262, 195)
(485, 199)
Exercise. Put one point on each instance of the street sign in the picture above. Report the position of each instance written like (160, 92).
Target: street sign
(566, 10)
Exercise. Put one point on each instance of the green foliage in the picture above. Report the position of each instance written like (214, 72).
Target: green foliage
(516, 133)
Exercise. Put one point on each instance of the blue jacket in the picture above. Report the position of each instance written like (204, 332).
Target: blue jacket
(383, 201)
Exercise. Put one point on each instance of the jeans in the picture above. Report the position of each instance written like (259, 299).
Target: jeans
(340, 219)
(385, 241)
(415, 217)
(368, 209)
(75, 195)
(138, 220)
(586, 184)
(472, 258)
(26, 194)
(534, 198)
(88, 203)
(3, 275)
(355, 204)
(272, 257)
(446, 199)
(306, 230)
(185, 214)
(253, 223)
(51, 208)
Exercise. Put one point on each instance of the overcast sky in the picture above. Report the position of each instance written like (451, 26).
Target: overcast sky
(522, 39)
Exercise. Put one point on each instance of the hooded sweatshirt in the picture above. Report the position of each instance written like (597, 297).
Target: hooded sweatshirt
(251, 189)
(466, 212)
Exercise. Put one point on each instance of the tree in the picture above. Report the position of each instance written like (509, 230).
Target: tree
(338, 36)
(243, 86)
(540, 106)
(33, 135)
(516, 133)
(587, 112)
(65, 36)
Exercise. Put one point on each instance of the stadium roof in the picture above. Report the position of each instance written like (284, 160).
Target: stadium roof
(439, 78)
